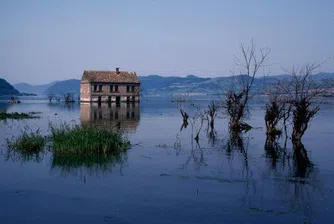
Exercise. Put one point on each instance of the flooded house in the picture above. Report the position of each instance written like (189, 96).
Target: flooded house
(109, 86)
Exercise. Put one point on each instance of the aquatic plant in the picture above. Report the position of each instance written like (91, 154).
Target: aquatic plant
(27, 142)
(82, 139)
(15, 115)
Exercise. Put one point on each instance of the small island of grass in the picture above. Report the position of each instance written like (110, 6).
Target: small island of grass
(71, 141)
(85, 140)
(17, 116)
(27, 142)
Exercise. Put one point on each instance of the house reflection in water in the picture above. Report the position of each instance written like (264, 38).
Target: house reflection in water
(125, 116)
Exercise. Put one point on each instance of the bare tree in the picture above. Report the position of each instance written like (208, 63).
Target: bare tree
(58, 99)
(302, 90)
(276, 109)
(237, 97)
(212, 113)
(68, 97)
(51, 96)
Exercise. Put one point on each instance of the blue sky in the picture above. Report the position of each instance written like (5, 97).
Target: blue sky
(44, 40)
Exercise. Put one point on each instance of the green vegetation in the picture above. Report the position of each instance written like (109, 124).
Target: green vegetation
(71, 146)
(27, 142)
(15, 115)
(85, 140)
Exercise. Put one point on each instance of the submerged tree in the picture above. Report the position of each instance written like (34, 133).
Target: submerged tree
(276, 110)
(274, 113)
(51, 96)
(237, 97)
(212, 113)
(68, 97)
(302, 90)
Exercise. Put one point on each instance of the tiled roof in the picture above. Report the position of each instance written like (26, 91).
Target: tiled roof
(110, 76)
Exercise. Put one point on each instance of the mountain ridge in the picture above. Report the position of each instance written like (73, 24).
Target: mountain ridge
(170, 85)
(7, 89)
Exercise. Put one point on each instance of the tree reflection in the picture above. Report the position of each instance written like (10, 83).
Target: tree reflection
(212, 136)
(303, 167)
(196, 155)
(275, 152)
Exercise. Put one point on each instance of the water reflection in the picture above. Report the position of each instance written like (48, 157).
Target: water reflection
(295, 176)
(125, 117)
(275, 153)
(297, 160)
(100, 164)
(23, 157)
(302, 164)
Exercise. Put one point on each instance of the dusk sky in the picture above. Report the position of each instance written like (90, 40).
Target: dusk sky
(43, 40)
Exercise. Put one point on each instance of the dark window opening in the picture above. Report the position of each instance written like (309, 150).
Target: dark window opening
(128, 88)
(100, 114)
(116, 114)
(132, 114)
(127, 115)
(116, 88)
(111, 88)
(100, 88)
(132, 88)
(95, 115)
(95, 88)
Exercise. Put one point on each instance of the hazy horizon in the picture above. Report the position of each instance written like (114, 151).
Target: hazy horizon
(45, 41)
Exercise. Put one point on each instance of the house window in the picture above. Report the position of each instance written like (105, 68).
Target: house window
(132, 88)
(100, 88)
(111, 88)
(95, 88)
(116, 88)
(128, 88)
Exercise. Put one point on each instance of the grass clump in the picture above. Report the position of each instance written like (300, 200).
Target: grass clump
(27, 142)
(85, 140)
(15, 115)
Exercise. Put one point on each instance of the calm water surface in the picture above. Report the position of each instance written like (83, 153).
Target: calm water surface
(166, 177)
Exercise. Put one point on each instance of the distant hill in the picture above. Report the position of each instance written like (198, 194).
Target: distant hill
(7, 89)
(159, 85)
(66, 86)
(35, 89)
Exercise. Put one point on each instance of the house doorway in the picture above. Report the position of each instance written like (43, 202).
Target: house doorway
(118, 100)
(99, 100)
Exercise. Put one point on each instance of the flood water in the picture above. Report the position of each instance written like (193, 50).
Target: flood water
(166, 177)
